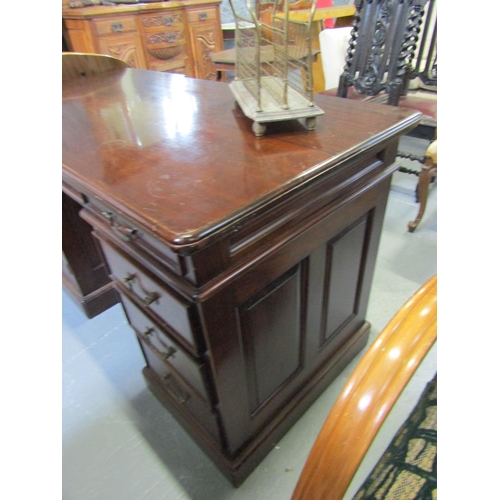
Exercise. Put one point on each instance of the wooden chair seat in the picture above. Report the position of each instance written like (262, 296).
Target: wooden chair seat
(416, 100)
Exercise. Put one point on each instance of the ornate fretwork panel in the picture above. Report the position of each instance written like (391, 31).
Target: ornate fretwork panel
(382, 47)
(169, 19)
(426, 60)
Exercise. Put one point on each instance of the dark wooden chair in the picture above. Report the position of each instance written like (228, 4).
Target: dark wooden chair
(391, 60)
(363, 405)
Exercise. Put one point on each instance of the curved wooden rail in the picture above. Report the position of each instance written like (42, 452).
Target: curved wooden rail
(76, 64)
(368, 396)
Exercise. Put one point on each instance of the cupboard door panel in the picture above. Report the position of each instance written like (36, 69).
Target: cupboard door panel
(205, 38)
(126, 47)
(344, 261)
(272, 341)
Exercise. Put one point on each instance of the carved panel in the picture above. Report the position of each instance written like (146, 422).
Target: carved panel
(205, 42)
(125, 48)
(382, 47)
(168, 19)
(166, 45)
(167, 37)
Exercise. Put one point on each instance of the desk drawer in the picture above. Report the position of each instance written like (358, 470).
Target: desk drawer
(115, 26)
(179, 393)
(174, 313)
(132, 234)
(195, 373)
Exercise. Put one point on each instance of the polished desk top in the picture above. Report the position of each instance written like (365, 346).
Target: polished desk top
(178, 155)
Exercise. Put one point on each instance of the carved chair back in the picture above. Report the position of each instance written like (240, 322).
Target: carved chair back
(426, 64)
(382, 47)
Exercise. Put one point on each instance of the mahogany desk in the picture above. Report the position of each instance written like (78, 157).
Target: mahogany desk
(244, 264)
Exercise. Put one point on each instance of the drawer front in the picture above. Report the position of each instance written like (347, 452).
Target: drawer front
(115, 26)
(165, 38)
(180, 394)
(172, 312)
(197, 15)
(171, 18)
(195, 373)
(133, 235)
(166, 45)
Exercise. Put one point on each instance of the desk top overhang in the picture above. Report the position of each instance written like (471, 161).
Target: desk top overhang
(178, 155)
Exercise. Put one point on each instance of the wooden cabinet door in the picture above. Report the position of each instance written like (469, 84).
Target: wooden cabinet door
(126, 47)
(292, 313)
(206, 37)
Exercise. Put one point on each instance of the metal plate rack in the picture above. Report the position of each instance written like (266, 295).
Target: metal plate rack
(273, 74)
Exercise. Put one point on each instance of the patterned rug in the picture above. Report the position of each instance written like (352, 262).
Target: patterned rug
(408, 468)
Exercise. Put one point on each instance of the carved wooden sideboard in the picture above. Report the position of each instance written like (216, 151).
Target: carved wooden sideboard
(244, 264)
(177, 36)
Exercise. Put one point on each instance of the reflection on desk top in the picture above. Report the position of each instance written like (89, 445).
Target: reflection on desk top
(179, 156)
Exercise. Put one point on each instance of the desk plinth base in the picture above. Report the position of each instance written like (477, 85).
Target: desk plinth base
(239, 467)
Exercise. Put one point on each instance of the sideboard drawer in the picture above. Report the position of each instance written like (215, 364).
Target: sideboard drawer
(174, 313)
(197, 15)
(166, 45)
(195, 373)
(151, 22)
(115, 25)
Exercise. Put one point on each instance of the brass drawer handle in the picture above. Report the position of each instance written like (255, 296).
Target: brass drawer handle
(150, 296)
(174, 390)
(116, 27)
(171, 350)
(203, 16)
(165, 355)
(125, 233)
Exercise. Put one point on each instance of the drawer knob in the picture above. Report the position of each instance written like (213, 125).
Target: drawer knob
(117, 27)
(169, 21)
(203, 16)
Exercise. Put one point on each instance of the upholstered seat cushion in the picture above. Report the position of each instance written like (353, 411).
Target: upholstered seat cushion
(416, 100)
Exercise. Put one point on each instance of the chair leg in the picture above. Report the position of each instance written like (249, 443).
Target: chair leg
(429, 168)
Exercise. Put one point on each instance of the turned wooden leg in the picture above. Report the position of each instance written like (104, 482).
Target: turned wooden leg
(424, 179)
